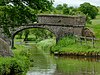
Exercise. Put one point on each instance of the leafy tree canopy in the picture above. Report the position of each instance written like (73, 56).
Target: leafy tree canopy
(89, 10)
(59, 7)
(18, 12)
(64, 8)
(35, 4)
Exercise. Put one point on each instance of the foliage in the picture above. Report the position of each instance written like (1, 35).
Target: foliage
(14, 65)
(20, 35)
(19, 64)
(41, 33)
(59, 7)
(89, 10)
(34, 4)
(64, 42)
(63, 8)
(20, 15)
(88, 20)
(26, 33)
(35, 34)
(68, 45)
(24, 12)
(46, 44)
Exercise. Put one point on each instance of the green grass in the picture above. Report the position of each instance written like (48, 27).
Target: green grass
(95, 26)
(99, 9)
(95, 29)
(14, 65)
(18, 64)
(68, 45)
(46, 44)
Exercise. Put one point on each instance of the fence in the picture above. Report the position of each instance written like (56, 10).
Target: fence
(85, 40)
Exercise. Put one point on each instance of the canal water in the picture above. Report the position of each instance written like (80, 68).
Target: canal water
(46, 64)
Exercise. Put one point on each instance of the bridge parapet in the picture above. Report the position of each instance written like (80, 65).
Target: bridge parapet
(62, 19)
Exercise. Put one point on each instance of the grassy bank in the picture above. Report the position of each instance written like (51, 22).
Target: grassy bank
(68, 46)
(18, 64)
(46, 44)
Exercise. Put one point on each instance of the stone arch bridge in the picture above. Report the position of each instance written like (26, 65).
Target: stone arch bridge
(59, 25)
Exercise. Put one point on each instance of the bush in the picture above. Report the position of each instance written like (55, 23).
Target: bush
(13, 66)
(46, 44)
(17, 65)
(64, 42)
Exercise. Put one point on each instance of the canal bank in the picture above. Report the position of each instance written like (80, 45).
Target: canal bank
(68, 46)
(36, 59)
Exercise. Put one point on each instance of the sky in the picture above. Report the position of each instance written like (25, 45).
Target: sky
(76, 3)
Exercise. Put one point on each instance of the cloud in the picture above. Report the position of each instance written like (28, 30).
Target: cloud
(76, 2)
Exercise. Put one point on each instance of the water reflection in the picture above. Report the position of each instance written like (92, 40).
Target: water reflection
(78, 66)
(81, 58)
(44, 64)
(48, 71)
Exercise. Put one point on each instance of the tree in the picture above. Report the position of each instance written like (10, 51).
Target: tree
(20, 16)
(34, 4)
(65, 9)
(89, 10)
(20, 12)
(59, 7)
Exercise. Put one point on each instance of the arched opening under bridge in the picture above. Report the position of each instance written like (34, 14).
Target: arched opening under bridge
(39, 33)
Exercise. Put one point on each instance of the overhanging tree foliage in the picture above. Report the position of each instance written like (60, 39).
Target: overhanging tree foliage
(35, 4)
(20, 12)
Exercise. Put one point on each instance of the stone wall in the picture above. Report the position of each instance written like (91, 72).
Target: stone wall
(62, 19)
(70, 24)
(4, 36)
(5, 48)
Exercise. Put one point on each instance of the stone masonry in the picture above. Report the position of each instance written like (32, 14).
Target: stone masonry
(59, 25)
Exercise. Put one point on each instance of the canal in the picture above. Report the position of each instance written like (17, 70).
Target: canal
(46, 64)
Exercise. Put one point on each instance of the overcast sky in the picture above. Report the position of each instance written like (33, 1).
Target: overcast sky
(76, 2)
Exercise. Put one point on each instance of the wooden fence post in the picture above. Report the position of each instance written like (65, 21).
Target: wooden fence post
(85, 40)
(80, 40)
(93, 42)
(76, 38)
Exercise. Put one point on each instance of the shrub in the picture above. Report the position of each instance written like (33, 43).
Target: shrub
(64, 42)
(19, 64)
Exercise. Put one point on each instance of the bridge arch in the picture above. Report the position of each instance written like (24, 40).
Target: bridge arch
(19, 30)
(60, 25)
